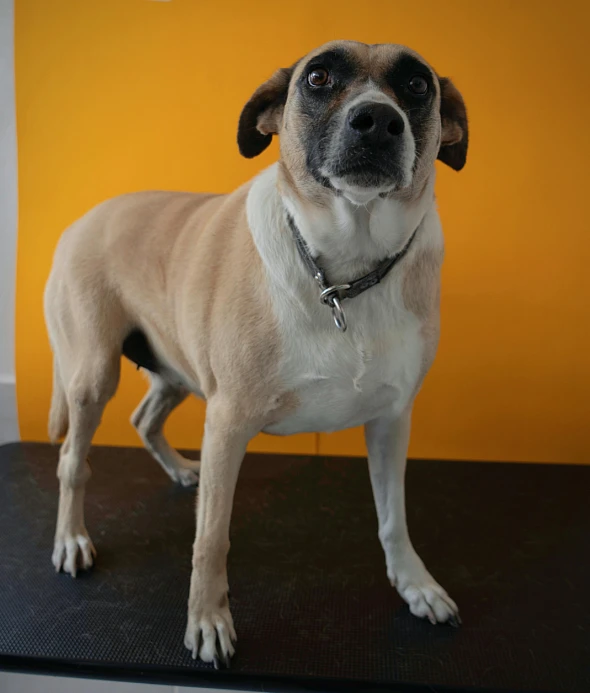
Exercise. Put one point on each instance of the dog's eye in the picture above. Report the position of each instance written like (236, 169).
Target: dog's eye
(418, 85)
(318, 77)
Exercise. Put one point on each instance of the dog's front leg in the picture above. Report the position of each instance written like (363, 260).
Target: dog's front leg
(210, 631)
(387, 444)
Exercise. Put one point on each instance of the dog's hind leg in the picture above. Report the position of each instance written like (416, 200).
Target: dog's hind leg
(149, 419)
(92, 383)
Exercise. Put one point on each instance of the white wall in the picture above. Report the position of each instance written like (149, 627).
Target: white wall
(8, 211)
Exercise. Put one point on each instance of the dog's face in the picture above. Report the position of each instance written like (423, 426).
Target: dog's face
(358, 120)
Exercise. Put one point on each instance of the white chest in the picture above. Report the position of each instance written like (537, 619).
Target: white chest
(344, 380)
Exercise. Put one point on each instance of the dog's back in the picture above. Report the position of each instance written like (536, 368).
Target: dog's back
(125, 239)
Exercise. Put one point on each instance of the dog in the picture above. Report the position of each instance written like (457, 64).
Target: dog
(307, 300)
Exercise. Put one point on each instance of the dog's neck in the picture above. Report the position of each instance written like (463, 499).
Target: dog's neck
(349, 239)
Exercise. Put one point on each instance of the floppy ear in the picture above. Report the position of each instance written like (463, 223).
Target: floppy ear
(455, 134)
(261, 117)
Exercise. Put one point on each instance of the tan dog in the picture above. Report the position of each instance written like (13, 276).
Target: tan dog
(219, 296)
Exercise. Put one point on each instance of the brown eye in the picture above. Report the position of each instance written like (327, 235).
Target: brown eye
(318, 77)
(418, 85)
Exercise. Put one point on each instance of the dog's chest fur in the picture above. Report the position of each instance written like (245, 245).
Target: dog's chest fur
(344, 380)
(340, 379)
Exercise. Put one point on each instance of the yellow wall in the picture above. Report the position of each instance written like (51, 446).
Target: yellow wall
(121, 95)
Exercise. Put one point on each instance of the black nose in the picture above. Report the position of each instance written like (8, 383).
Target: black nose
(375, 123)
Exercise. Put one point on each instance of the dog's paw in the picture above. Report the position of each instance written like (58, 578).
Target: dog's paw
(429, 600)
(187, 473)
(73, 550)
(425, 597)
(210, 635)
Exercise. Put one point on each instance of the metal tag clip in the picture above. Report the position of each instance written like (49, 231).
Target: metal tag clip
(330, 297)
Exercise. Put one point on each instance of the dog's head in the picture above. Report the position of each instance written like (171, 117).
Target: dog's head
(358, 120)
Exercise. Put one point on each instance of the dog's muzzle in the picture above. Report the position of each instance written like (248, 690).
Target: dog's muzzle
(371, 145)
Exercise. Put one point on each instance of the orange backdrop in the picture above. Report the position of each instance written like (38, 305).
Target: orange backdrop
(122, 95)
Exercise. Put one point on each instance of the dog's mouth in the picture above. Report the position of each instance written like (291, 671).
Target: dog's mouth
(362, 176)
(367, 172)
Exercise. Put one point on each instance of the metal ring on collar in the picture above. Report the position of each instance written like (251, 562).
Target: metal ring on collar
(338, 313)
(332, 292)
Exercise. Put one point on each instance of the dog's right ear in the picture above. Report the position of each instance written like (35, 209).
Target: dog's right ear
(262, 116)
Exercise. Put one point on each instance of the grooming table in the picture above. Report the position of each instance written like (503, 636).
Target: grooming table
(309, 595)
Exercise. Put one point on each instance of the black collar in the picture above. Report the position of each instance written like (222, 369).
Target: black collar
(332, 295)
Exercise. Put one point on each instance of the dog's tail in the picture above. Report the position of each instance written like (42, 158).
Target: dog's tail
(58, 412)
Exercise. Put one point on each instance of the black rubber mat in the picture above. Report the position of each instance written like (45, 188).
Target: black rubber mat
(311, 602)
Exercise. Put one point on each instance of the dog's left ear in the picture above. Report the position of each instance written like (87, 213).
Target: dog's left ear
(455, 134)
(261, 117)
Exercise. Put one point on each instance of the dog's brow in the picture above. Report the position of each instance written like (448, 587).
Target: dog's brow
(333, 57)
(406, 62)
